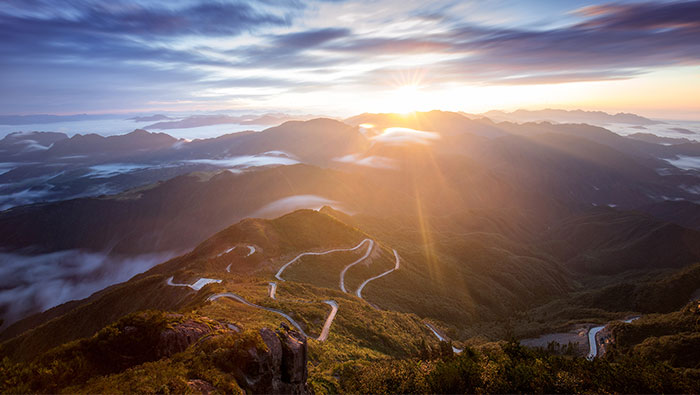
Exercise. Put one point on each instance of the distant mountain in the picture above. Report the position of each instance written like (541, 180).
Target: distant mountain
(568, 116)
(167, 216)
(608, 242)
(21, 143)
(92, 165)
(46, 118)
(127, 144)
(540, 167)
(89, 165)
(682, 212)
(150, 118)
(196, 121)
(435, 121)
(652, 138)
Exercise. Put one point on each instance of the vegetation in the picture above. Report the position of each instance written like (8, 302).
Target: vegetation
(511, 368)
(673, 338)
(470, 280)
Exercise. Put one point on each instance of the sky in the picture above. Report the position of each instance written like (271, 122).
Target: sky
(347, 57)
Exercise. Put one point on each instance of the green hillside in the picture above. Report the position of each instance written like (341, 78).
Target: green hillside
(476, 279)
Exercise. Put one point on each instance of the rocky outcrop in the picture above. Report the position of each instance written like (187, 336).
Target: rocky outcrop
(281, 369)
(179, 337)
(201, 387)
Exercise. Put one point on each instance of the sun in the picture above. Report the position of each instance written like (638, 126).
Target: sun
(406, 99)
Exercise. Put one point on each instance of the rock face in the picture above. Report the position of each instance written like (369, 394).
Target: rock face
(201, 387)
(177, 339)
(279, 370)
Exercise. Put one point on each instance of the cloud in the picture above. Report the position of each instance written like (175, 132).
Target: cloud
(137, 52)
(608, 42)
(142, 19)
(33, 283)
(271, 158)
(378, 162)
(291, 203)
(642, 16)
(685, 162)
(309, 38)
(289, 50)
(384, 46)
(401, 136)
(615, 42)
(22, 197)
(98, 55)
(107, 170)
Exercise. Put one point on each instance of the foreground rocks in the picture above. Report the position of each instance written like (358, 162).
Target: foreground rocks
(178, 338)
(279, 369)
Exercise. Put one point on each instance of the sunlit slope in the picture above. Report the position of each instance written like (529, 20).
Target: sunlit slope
(574, 162)
(261, 248)
(489, 265)
(462, 271)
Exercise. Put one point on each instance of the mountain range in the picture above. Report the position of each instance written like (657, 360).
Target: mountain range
(432, 237)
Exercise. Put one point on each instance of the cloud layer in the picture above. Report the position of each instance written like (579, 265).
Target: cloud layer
(31, 284)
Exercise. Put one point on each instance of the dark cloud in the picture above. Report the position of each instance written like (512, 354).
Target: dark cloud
(644, 16)
(309, 38)
(619, 41)
(290, 51)
(133, 18)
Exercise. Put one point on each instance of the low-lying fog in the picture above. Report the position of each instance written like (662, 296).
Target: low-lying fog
(31, 284)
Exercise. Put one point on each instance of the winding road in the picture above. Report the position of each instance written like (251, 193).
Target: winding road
(359, 289)
(442, 338)
(227, 251)
(326, 326)
(278, 275)
(325, 331)
(329, 320)
(199, 284)
(345, 269)
(273, 289)
(233, 296)
(251, 251)
(593, 343)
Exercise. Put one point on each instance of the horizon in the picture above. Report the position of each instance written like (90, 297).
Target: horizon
(335, 58)
(339, 116)
(209, 124)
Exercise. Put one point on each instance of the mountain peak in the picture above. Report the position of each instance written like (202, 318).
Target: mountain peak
(568, 116)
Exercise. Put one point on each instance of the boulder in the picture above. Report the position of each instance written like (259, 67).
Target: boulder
(281, 369)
